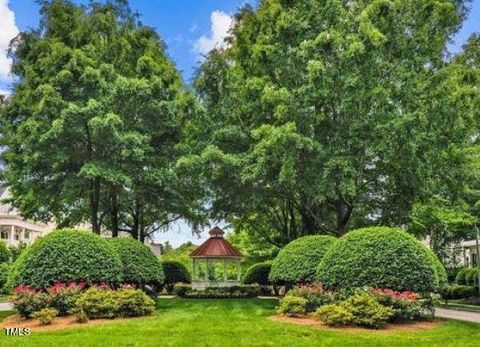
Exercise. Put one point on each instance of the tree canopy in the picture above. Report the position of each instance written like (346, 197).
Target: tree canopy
(322, 116)
(89, 133)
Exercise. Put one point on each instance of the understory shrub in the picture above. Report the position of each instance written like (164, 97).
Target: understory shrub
(62, 297)
(4, 252)
(315, 294)
(175, 272)
(292, 306)
(140, 266)
(458, 292)
(4, 269)
(334, 315)
(360, 309)
(237, 292)
(27, 300)
(181, 288)
(379, 257)
(64, 256)
(406, 306)
(297, 262)
(103, 302)
(452, 273)
(45, 315)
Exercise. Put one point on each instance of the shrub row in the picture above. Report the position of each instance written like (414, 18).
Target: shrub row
(467, 276)
(234, 292)
(95, 302)
(372, 308)
(70, 255)
(452, 292)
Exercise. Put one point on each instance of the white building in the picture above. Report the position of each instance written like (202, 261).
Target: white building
(15, 230)
(469, 250)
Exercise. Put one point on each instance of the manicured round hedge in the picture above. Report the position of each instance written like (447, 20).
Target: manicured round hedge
(67, 255)
(258, 274)
(4, 252)
(441, 271)
(140, 265)
(379, 257)
(175, 272)
(297, 262)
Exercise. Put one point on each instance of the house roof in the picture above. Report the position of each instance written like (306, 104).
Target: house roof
(216, 247)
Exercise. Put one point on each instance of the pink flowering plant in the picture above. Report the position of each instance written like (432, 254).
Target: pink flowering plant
(63, 296)
(406, 304)
(27, 300)
(315, 294)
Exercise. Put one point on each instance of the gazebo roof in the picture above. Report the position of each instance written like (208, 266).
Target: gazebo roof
(216, 247)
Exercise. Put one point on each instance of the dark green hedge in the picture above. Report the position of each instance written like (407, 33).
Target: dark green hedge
(175, 272)
(258, 274)
(467, 276)
(297, 262)
(4, 252)
(140, 265)
(380, 257)
(67, 255)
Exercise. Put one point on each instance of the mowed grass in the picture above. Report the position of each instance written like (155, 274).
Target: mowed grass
(181, 322)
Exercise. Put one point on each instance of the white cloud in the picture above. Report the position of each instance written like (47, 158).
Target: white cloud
(220, 24)
(5, 92)
(8, 30)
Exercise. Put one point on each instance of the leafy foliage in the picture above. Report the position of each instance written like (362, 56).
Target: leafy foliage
(4, 270)
(379, 257)
(4, 253)
(334, 315)
(67, 255)
(297, 262)
(457, 291)
(323, 116)
(175, 272)
(292, 306)
(97, 108)
(140, 266)
(233, 292)
(467, 276)
(258, 274)
(45, 315)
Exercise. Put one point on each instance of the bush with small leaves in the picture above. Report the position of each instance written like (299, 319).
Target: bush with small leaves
(140, 266)
(297, 262)
(367, 311)
(63, 296)
(334, 315)
(380, 257)
(98, 302)
(4, 269)
(180, 289)
(292, 306)
(45, 315)
(458, 292)
(258, 274)
(175, 272)
(4, 252)
(133, 303)
(64, 256)
(27, 300)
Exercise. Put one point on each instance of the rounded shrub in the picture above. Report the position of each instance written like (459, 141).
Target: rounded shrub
(67, 255)
(175, 272)
(4, 253)
(379, 257)
(4, 269)
(298, 261)
(140, 266)
(258, 274)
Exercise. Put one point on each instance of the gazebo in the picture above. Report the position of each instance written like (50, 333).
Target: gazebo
(216, 263)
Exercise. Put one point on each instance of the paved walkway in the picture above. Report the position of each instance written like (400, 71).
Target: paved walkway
(459, 315)
(5, 306)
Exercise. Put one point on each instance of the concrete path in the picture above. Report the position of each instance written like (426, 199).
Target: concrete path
(6, 306)
(459, 315)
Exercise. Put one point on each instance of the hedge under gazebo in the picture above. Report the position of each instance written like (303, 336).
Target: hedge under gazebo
(216, 263)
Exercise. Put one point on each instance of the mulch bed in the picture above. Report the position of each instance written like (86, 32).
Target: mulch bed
(407, 327)
(58, 323)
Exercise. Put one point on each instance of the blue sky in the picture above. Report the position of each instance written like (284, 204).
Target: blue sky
(188, 27)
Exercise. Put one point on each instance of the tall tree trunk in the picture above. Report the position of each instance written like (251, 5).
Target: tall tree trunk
(136, 220)
(94, 205)
(114, 211)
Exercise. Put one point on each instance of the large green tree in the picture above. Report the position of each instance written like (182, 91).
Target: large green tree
(89, 133)
(320, 115)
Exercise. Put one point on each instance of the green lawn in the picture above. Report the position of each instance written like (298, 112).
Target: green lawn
(181, 322)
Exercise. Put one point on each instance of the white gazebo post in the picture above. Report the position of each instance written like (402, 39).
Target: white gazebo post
(12, 235)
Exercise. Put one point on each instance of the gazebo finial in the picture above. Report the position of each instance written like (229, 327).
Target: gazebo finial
(216, 232)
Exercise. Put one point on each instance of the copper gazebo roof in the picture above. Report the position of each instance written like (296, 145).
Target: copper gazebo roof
(216, 247)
